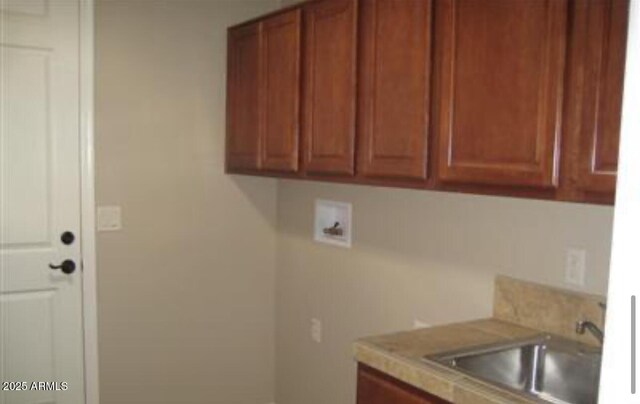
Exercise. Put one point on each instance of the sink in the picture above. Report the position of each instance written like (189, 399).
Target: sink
(549, 368)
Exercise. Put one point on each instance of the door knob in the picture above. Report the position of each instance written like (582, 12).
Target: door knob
(67, 266)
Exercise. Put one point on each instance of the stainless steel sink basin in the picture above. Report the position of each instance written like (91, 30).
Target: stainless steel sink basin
(550, 368)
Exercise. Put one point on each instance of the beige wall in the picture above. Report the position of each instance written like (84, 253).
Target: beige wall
(416, 255)
(186, 302)
(186, 288)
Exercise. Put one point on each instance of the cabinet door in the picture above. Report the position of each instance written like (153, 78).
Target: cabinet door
(501, 85)
(330, 87)
(243, 98)
(376, 388)
(394, 97)
(603, 81)
(281, 86)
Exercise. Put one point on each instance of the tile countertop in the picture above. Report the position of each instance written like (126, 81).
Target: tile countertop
(401, 355)
(521, 310)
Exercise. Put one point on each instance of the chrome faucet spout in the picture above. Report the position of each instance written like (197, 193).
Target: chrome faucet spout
(582, 326)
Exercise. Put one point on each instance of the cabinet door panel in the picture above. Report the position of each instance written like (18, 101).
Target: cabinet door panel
(604, 78)
(330, 83)
(501, 86)
(281, 91)
(243, 98)
(376, 388)
(394, 88)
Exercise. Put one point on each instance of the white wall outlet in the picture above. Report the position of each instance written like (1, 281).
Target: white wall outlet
(316, 330)
(576, 267)
(109, 218)
(333, 223)
(417, 324)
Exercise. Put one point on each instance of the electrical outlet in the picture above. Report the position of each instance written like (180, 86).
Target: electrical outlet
(316, 330)
(417, 324)
(576, 267)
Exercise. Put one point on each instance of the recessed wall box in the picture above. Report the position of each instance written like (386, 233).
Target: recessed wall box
(333, 223)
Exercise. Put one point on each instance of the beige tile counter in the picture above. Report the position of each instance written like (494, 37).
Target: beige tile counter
(401, 355)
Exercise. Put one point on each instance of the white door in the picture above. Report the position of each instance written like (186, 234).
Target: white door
(41, 338)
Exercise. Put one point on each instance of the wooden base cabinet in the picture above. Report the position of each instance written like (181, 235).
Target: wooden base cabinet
(375, 387)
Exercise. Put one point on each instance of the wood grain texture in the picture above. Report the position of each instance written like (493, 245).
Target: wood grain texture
(330, 87)
(374, 387)
(526, 96)
(281, 91)
(394, 88)
(501, 86)
(243, 98)
(602, 106)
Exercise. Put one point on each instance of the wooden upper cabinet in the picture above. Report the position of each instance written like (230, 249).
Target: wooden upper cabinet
(394, 85)
(500, 78)
(509, 97)
(281, 91)
(263, 95)
(243, 98)
(329, 87)
(605, 46)
(377, 388)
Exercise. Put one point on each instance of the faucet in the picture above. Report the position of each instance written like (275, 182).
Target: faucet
(582, 326)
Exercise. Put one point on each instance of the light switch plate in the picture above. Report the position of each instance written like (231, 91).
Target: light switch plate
(330, 216)
(109, 218)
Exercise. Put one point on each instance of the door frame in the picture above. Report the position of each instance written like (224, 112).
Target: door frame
(87, 201)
